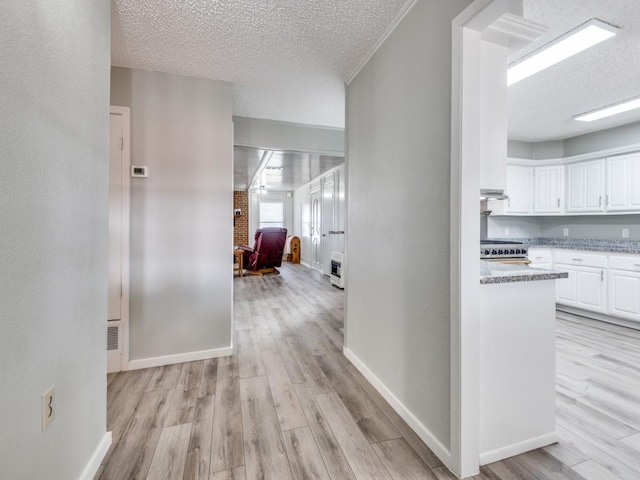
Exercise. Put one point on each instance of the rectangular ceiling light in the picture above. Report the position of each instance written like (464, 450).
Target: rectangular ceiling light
(609, 110)
(575, 41)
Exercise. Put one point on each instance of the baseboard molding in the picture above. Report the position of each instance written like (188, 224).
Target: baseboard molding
(442, 452)
(179, 358)
(622, 322)
(518, 448)
(96, 459)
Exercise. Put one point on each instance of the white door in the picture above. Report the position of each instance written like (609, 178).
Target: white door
(624, 294)
(115, 217)
(519, 189)
(118, 233)
(567, 288)
(328, 223)
(315, 230)
(594, 185)
(592, 289)
(547, 189)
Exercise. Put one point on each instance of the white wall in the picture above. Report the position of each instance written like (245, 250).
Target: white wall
(182, 215)
(398, 169)
(54, 93)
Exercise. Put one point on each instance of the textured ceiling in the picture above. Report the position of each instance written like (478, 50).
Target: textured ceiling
(287, 59)
(542, 106)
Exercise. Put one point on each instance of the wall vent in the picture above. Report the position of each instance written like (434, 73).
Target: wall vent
(113, 338)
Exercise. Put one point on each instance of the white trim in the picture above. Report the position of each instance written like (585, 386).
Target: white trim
(396, 21)
(608, 152)
(179, 358)
(442, 452)
(96, 459)
(126, 228)
(518, 448)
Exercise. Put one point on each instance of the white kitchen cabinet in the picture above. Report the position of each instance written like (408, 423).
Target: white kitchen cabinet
(540, 257)
(586, 186)
(548, 184)
(623, 183)
(519, 189)
(586, 287)
(624, 287)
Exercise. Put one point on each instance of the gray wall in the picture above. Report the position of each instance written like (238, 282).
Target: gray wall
(54, 92)
(591, 142)
(182, 215)
(398, 171)
(275, 135)
(607, 227)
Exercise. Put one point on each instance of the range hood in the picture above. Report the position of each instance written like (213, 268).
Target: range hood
(490, 194)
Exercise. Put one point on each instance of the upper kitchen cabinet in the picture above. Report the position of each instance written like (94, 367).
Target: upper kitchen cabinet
(623, 182)
(519, 189)
(548, 189)
(585, 186)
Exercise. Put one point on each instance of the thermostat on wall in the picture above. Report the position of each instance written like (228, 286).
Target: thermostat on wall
(139, 171)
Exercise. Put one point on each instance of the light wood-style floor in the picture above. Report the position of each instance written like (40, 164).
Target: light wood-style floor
(289, 405)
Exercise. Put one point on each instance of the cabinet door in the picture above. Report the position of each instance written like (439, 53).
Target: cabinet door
(624, 294)
(592, 289)
(623, 183)
(547, 191)
(567, 288)
(519, 189)
(585, 186)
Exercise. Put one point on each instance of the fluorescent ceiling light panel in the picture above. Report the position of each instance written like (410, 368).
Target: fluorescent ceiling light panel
(575, 41)
(609, 111)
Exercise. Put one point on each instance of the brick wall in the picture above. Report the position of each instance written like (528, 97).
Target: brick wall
(241, 222)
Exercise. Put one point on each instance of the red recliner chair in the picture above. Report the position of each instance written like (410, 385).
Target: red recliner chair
(267, 253)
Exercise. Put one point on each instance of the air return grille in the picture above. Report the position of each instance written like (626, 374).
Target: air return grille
(113, 338)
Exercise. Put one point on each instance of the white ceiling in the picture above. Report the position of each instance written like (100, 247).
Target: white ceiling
(288, 60)
(541, 107)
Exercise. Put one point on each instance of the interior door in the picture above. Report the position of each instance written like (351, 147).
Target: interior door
(328, 224)
(115, 217)
(315, 230)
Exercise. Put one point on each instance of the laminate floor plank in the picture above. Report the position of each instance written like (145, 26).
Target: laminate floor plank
(401, 461)
(509, 469)
(169, 458)
(264, 452)
(234, 474)
(285, 400)
(591, 470)
(546, 467)
(209, 378)
(199, 451)
(334, 459)
(120, 410)
(227, 446)
(249, 355)
(134, 451)
(165, 377)
(363, 460)
(303, 454)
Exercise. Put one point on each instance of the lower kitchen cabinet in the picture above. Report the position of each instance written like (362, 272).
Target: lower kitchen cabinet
(624, 287)
(586, 287)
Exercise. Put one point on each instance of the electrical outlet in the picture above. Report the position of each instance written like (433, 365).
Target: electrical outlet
(565, 232)
(506, 231)
(625, 233)
(48, 406)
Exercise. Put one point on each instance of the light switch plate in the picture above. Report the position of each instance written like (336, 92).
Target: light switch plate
(48, 406)
(139, 171)
(625, 233)
(565, 232)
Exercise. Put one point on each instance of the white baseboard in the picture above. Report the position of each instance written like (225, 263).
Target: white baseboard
(622, 322)
(96, 459)
(518, 448)
(179, 358)
(442, 452)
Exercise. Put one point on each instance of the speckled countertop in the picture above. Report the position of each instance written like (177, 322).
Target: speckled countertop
(494, 272)
(618, 246)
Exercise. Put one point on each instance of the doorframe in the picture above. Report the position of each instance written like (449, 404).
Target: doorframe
(125, 112)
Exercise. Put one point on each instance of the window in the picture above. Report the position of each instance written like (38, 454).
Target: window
(271, 214)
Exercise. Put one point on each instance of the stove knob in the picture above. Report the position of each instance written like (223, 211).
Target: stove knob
(512, 252)
(500, 252)
(487, 252)
(518, 251)
(494, 252)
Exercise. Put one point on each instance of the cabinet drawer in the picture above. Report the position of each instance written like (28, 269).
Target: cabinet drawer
(572, 257)
(631, 264)
(540, 255)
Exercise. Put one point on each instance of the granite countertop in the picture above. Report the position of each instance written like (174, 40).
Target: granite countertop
(494, 272)
(617, 246)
